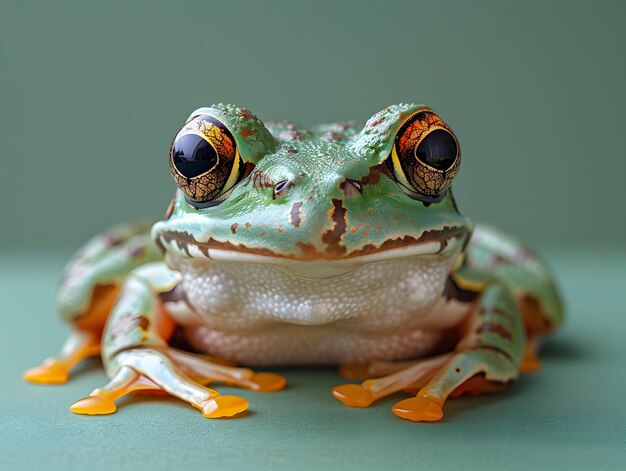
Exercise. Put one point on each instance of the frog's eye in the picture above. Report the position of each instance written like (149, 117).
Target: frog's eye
(426, 155)
(204, 160)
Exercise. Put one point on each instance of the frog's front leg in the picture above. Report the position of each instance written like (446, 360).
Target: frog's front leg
(137, 357)
(487, 358)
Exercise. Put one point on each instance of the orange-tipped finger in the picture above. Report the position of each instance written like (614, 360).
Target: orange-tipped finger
(418, 409)
(354, 395)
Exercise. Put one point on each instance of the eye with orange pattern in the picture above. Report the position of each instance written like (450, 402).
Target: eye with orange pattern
(204, 161)
(425, 157)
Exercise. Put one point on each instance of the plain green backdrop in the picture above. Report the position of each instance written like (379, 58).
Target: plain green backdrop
(93, 92)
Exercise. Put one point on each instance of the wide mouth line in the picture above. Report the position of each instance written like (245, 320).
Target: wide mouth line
(230, 252)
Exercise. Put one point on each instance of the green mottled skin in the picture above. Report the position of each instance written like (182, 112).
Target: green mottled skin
(342, 205)
(317, 166)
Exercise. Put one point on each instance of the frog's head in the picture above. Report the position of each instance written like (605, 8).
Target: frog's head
(318, 202)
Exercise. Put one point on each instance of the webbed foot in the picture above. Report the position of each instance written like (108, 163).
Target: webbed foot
(51, 371)
(404, 377)
(418, 409)
(150, 370)
(56, 370)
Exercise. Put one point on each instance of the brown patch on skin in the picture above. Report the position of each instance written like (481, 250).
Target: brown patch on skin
(374, 123)
(128, 322)
(353, 229)
(261, 180)
(233, 228)
(378, 227)
(280, 229)
(309, 251)
(137, 251)
(247, 114)
(112, 240)
(295, 215)
(492, 327)
(247, 170)
(454, 291)
(384, 169)
(373, 177)
(248, 225)
(500, 312)
(246, 132)
(332, 237)
(331, 136)
(428, 236)
(142, 322)
(366, 232)
(262, 233)
(291, 150)
(493, 349)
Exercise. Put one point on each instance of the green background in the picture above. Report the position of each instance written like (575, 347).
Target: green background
(91, 95)
(93, 92)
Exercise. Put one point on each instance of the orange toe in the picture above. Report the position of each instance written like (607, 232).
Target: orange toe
(353, 395)
(418, 409)
(223, 406)
(94, 405)
(51, 372)
(267, 382)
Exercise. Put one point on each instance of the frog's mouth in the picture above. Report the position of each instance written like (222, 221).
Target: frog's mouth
(310, 264)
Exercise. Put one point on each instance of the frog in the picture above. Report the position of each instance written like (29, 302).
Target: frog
(337, 245)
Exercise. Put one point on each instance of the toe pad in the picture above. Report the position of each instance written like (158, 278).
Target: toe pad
(94, 405)
(418, 409)
(353, 395)
(223, 406)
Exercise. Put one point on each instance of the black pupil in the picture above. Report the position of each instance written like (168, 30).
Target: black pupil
(193, 155)
(438, 149)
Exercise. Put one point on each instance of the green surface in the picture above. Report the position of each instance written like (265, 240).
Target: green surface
(571, 415)
(91, 94)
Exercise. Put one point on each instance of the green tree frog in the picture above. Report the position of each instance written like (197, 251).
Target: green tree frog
(337, 245)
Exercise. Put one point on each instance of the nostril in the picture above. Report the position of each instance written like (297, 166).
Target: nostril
(282, 187)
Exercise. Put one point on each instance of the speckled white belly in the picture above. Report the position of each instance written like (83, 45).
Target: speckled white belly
(258, 314)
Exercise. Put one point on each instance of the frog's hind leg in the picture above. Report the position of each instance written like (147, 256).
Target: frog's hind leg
(82, 343)
(502, 256)
(89, 288)
(399, 376)
(486, 359)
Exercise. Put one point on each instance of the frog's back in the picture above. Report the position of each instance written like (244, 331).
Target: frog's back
(511, 261)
